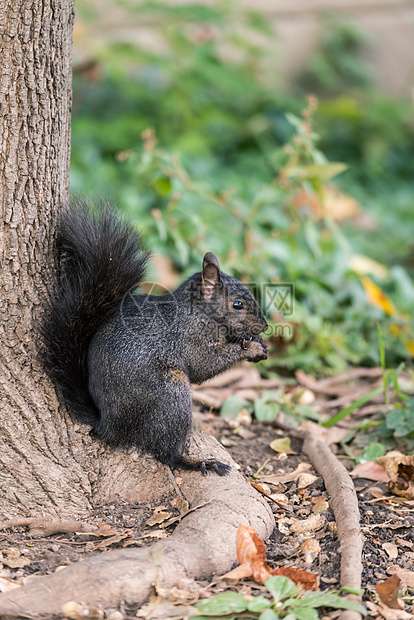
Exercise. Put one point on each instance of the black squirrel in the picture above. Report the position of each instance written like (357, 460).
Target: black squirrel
(123, 361)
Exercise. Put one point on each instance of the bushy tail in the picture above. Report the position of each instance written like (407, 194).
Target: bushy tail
(101, 260)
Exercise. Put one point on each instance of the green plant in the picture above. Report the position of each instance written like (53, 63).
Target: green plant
(272, 241)
(220, 178)
(393, 426)
(286, 600)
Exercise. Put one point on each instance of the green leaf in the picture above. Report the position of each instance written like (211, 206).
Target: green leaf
(352, 590)
(372, 452)
(163, 186)
(401, 421)
(280, 587)
(268, 614)
(303, 613)
(281, 445)
(232, 405)
(210, 617)
(329, 599)
(266, 407)
(324, 172)
(258, 604)
(348, 410)
(225, 603)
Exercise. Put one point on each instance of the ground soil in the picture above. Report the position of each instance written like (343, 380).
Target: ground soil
(387, 522)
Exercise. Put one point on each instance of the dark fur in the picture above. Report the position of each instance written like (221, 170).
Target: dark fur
(124, 362)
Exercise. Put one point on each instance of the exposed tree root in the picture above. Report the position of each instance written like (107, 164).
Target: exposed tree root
(344, 504)
(45, 526)
(203, 543)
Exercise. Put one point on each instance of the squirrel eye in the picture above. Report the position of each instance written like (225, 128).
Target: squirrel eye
(238, 305)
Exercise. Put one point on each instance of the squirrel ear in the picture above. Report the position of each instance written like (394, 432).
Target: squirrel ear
(210, 276)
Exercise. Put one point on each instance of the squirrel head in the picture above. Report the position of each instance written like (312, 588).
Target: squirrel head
(229, 303)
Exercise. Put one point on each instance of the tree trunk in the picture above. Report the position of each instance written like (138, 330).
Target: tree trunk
(41, 465)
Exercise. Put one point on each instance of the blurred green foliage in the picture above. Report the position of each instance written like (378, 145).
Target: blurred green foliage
(230, 154)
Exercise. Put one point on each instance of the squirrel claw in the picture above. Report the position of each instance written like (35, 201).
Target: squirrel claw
(213, 464)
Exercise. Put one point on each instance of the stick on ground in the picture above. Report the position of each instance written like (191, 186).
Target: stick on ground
(344, 504)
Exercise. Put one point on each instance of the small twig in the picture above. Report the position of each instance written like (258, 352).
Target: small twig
(330, 384)
(174, 482)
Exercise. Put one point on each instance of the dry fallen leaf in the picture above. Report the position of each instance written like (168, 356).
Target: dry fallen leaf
(321, 506)
(306, 480)
(400, 469)
(78, 611)
(391, 549)
(112, 540)
(388, 613)
(251, 554)
(276, 478)
(311, 548)
(159, 517)
(308, 581)
(336, 205)
(180, 504)
(13, 559)
(313, 523)
(406, 576)
(388, 592)
(281, 444)
(370, 471)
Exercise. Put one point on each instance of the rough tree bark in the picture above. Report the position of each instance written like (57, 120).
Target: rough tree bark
(48, 464)
(39, 466)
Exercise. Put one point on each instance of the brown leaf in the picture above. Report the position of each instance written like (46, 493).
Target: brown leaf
(104, 530)
(388, 613)
(391, 549)
(306, 480)
(240, 572)
(180, 504)
(311, 548)
(112, 540)
(251, 554)
(321, 506)
(388, 592)
(308, 581)
(77, 611)
(13, 559)
(370, 471)
(406, 576)
(159, 517)
(313, 523)
(400, 469)
(276, 478)
(249, 545)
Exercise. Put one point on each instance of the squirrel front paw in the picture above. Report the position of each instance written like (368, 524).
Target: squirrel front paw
(255, 349)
